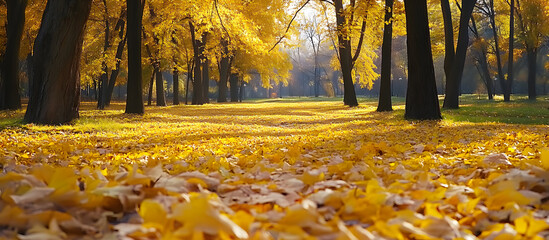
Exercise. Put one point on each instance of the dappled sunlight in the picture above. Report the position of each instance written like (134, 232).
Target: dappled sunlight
(265, 161)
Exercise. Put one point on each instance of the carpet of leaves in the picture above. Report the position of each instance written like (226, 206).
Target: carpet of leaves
(272, 171)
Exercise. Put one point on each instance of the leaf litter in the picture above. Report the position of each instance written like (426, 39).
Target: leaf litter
(236, 172)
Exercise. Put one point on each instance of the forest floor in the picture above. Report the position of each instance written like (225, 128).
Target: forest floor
(282, 169)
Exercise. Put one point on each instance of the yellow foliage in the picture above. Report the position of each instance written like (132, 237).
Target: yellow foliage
(303, 170)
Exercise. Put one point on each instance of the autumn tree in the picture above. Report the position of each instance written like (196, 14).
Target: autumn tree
(421, 97)
(386, 52)
(454, 61)
(533, 28)
(487, 9)
(134, 100)
(55, 86)
(9, 85)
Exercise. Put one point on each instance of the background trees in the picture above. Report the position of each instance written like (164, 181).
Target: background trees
(218, 48)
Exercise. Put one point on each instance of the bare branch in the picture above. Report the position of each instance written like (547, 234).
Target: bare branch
(289, 25)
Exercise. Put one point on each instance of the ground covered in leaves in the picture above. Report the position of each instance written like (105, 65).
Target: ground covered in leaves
(278, 170)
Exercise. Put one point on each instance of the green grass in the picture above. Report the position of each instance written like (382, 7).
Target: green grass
(518, 111)
(473, 108)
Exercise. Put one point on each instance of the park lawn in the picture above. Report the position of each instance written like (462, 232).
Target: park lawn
(284, 169)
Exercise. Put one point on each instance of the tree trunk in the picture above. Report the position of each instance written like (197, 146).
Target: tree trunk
(120, 25)
(532, 55)
(345, 52)
(190, 69)
(55, 90)
(453, 82)
(241, 92)
(160, 97)
(10, 97)
(197, 80)
(511, 50)
(501, 77)
(205, 70)
(175, 86)
(421, 98)
(134, 100)
(234, 87)
(449, 50)
(151, 84)
(105, 75)
(224, 71)
(385, 103)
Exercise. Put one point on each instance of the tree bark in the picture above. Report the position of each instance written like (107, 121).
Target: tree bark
(234, 87)
(205, 70)
(501, 78)
(190, 69)
(151, 84)
(385, 103)
(55, 90)
(134, 100)
(10, 97)
(224, 71)
(160, 97)
(449, 50)
(120, 26)
(421, 98)
(197, 80)
(345, 52)
(105, 75)
(510, 73)
(453, 82)
(175, 86)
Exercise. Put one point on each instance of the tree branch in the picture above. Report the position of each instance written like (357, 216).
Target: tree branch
(359, 47)
(289, 25)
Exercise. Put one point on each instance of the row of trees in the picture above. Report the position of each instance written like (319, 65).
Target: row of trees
(241, 38)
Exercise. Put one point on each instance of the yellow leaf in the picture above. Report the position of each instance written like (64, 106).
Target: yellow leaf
(153, 214)
(545, 158)
(199, 215)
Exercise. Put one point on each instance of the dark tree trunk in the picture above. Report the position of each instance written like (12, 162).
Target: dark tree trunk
(197, 80)
(103, 88)
(421, 97)
(241, 92)
(105, 76)
(119, 51)
(175, 86)
(151, 84)
(501, 78)
(532, 55)
(449, 50)
(345, 59)
(205, 70)
(160, 97)
(134, 100)
(234, 87)
(55, 90)
(510, 74)
(385, 103)
(10, 97)
(511, 50)
(190, 69)
(224, 71)
(453, 81)
(30, 63)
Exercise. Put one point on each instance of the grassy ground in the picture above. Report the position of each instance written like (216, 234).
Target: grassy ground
(282, 168)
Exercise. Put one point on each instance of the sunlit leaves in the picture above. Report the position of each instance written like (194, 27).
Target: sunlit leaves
(293, 170)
